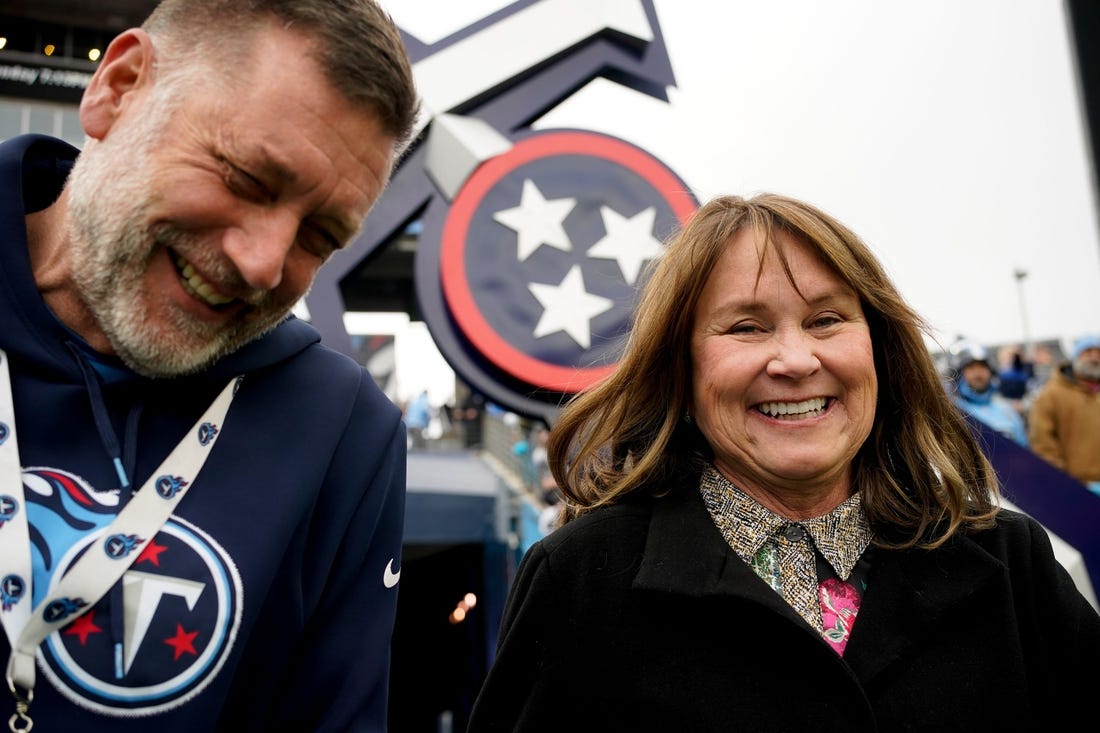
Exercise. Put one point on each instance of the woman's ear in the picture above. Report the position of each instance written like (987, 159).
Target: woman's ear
(124, 74)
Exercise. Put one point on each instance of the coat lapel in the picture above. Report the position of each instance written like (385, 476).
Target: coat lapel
(686, 554)
(909, 594)
(909, 591)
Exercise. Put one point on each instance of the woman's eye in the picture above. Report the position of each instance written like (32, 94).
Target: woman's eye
(825, 320)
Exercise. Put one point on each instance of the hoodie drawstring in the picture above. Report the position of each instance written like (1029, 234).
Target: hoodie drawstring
(102, 418)
(124, 459)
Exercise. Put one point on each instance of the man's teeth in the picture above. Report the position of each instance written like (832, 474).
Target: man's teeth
(806, 408)
(198, 287)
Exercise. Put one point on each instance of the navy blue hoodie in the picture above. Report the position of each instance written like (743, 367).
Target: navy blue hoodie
(267, 600)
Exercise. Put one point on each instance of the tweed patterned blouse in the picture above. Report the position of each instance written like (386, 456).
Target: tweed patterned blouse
(818, 565)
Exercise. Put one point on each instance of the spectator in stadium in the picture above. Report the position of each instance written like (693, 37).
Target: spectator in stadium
(417, 416)
(1064, 422)
(146, 334)
(776, 519)
(977, 393)
(1016, 381)
(468, 416)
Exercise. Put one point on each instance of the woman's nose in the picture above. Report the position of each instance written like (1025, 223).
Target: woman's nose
(795, 357)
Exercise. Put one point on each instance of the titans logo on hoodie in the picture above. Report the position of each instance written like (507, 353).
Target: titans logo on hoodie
(152, 643)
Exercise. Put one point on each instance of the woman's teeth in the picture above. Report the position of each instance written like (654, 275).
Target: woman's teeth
(806, 408)
(198, 287)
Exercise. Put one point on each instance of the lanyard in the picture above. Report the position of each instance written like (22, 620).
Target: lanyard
(111, 551)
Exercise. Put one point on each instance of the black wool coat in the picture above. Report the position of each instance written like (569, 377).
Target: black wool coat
(639, 617)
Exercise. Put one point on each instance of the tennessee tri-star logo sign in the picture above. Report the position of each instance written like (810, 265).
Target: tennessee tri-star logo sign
(533, 243)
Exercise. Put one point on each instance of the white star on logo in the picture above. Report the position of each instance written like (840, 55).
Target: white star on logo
(629, 241)
(568, 307)
(537, 221)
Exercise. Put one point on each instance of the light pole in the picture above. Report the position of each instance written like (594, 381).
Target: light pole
(1021, 275)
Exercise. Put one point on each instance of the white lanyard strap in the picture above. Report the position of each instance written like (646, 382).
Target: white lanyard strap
(15, 543)
(110, 552)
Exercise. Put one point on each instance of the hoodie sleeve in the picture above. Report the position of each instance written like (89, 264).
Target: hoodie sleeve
(347, 643)
(337, 677)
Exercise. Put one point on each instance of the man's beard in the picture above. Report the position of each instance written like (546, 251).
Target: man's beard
(113, 244)
(1087, 369)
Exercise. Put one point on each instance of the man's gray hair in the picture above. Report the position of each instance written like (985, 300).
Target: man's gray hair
(356, 43)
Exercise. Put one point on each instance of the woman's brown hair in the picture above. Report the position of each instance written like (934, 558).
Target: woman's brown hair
(921, 472)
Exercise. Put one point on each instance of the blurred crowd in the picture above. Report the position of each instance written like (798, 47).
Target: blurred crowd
(1046, 402)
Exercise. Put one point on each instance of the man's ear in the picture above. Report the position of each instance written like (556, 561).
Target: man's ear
(125, 72)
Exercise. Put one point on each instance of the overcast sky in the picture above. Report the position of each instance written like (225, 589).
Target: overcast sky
(949, 134)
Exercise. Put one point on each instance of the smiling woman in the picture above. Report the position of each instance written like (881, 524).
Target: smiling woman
(774, 472)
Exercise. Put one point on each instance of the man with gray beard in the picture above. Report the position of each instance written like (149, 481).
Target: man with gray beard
(1064, 421)
(201, 507)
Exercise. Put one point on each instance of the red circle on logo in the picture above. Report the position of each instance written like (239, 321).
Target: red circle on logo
(456, 284)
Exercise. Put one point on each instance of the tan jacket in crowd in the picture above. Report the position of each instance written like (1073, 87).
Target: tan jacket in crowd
(1064, 426)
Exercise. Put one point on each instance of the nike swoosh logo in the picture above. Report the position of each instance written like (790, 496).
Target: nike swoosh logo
(390, 578)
